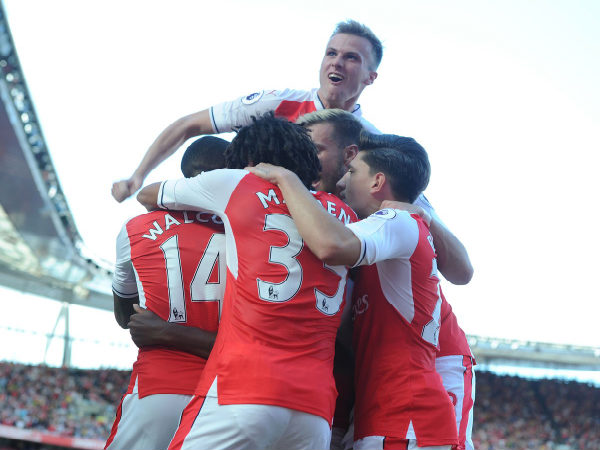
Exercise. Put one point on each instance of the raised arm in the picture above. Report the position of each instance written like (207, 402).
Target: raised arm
(452, 257)
(167, 142)
(326, 236)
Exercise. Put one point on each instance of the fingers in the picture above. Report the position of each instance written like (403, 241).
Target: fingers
(137, 308)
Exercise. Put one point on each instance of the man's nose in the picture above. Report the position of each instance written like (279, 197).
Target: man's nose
(341, 184)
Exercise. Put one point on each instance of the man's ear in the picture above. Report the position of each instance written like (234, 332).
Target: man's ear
(378, 183)
(371, 79)
(349, 154)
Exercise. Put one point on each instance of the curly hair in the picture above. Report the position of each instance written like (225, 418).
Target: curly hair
(276, 141)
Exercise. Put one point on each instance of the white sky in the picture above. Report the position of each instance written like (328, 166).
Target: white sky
(503, 95)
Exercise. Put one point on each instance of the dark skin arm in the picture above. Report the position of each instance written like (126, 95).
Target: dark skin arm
(123, 308)
(147, 329)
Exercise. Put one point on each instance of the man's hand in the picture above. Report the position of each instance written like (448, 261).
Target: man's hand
(413, 209)
(124, 189)
(146, 327)
(269, 172)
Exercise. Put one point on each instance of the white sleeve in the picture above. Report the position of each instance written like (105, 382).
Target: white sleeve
(237, 113)
(423, 202)
(387, 234)
(124, 283)
(209, 191)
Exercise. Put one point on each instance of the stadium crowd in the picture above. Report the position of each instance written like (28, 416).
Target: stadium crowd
(518, 413)
(68, 402)
(510, 412)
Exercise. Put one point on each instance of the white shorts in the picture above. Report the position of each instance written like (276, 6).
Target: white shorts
(383, 443)
(146, 423)
(458, 377)
(206, 425)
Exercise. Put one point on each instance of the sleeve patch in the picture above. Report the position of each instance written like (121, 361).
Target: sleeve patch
(387, 213)
(252, 98)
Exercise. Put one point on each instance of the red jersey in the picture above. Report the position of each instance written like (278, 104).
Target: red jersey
(453, 340)
(396, 306)
(288, 103)
(175, 262)
(282, 305)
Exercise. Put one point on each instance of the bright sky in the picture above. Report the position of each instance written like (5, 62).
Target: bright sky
(503, 95)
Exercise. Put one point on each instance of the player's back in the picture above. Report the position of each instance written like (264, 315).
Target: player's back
(179, 262)
(282, 306)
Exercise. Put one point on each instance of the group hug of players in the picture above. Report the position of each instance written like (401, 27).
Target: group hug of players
(254, 243)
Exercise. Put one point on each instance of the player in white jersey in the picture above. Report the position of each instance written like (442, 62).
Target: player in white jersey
(349, 65)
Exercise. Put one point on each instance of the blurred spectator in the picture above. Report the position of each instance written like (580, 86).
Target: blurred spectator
(510, 412)
(516, 413)
(69, 402)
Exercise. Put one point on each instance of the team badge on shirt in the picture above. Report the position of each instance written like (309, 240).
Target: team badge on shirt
(252, 98)
(386, 213)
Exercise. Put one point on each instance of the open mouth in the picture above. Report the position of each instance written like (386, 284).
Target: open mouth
(336, 78)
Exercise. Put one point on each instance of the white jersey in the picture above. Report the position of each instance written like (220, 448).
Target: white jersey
(288, 103)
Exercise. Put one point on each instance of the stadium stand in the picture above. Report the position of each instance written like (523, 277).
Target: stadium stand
(510, 412)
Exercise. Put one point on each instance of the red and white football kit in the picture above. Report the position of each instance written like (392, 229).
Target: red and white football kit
(288, 103)
(455, 363)
(280, 317)
(397, 305)
(175, 262)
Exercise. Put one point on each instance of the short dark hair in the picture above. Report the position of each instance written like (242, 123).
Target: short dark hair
(400, 158)
(204, 154)
(346, 127)
(358, 29)
(270, 139)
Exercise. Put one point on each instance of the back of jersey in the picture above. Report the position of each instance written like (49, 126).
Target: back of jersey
(282, 306)
(179, 263)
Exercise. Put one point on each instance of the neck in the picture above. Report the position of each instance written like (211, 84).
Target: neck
(331, 103)
(373, 206)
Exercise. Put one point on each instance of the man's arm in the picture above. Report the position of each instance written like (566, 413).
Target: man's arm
(452, 257)
(167, 142)
(326, 236)
(148, 196)
(147, 329)
(123, 308)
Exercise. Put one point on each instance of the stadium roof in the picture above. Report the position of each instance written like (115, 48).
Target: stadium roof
(40, 247)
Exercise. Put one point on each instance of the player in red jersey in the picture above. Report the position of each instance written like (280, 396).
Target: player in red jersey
(401, 402)
(337, 134)
(268, 382)
(173, 265)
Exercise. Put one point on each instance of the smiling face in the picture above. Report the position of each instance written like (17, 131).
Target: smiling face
(345, 71)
